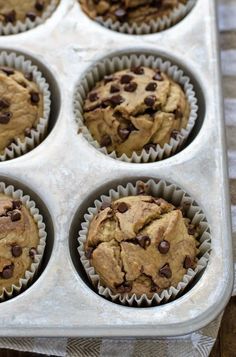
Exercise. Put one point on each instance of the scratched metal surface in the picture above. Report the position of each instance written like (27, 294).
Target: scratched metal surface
(65, 169)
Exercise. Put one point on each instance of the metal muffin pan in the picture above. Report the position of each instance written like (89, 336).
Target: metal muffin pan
(64, 174)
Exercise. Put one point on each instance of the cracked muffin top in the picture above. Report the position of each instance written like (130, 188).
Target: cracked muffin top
(141, 245)
(130, 11)
(21, 106)
(13, 10)
(19, 238)
(136, 109)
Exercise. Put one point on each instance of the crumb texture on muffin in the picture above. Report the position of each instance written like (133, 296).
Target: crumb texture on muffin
(12, 11)
(141, 245)
(136, 109)
(21, 106)
(130, 11)
(19, 238)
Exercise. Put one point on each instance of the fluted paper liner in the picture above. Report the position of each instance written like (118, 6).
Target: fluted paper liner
(19, 26)
(177, 197)
(33, 210)
(160, 24)
(23, 65)
(117, 63)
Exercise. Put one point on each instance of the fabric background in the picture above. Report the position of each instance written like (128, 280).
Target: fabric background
(199, 343)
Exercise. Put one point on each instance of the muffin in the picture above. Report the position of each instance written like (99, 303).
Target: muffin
(12, 11)
(141, 245)
(19, 239)
(135, 109)
(130, 11)
(21, 106)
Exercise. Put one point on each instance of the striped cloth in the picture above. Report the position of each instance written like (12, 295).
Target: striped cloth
(200, 343)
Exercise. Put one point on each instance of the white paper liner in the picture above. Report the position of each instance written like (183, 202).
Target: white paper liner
(31, 273)
(23, 65)
(118, 63)
(162, 23)
(177, 197)
(19, 26)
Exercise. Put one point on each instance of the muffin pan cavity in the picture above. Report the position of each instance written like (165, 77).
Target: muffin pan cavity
(49, 229)
(48, 87)
(174, 69)
(158, 189)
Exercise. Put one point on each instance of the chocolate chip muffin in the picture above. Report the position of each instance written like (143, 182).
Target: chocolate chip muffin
(130, 11)
(136, 109)
(12, 11)
(141, 245)
(21, 106)
(19, 239)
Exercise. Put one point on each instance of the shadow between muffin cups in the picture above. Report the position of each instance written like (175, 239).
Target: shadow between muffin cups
(153, 26)
(108, 66)
(28, 24)
(36, 135)
(30, 274)
(172, 194)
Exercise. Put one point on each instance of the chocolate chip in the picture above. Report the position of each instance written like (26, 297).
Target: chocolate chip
(188, 262)
(4, 104)
(191, 230)
(39, 5)
(122, 207)
(126, 78)
(149, 146)
(93, 97)
(31, 15)
(131, 87)
(121, 14)
(16, 251)
(7, 272)
(165, 271)
(105, 205)
(108, 79)
(10, 16)
(89, 252)
(131, 127)
(150, 100)
(143, 241)
(34, 97)
(106, 140)
(151, 87)
(5, 117)
(164, 247)
(123, 133)
(15, 215)
(16, 204)
(7, 71)
(29, 76)
(126, 287)
(114, 88)
(137, 70)
(116, 99)
(27, 132)
(32, 252)
(157, 76)
(174, 134)
(178, 114)
(154, 288)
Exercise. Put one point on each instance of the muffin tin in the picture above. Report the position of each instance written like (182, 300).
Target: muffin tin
(65, 174)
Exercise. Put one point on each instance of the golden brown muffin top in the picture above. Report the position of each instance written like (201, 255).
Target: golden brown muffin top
(134, 109)
(14, 10)
(141, 245)
(19, 238)
(21, 106)
(130, 11)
